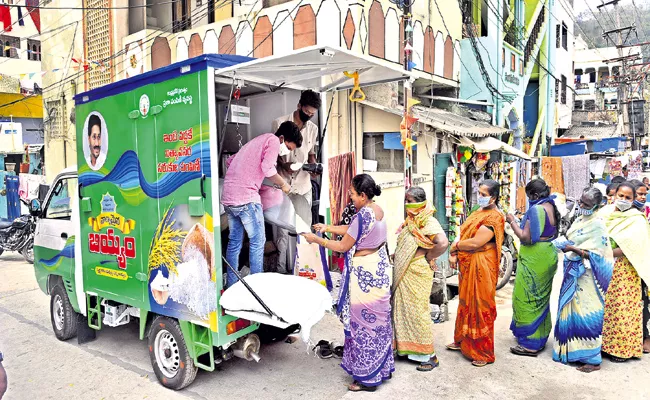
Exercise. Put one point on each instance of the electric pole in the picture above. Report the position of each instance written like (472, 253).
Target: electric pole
(620, 43)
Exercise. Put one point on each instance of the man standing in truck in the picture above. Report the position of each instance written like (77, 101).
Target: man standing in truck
(300, 181)
(247, 169)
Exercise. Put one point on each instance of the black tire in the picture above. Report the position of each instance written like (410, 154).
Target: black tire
(64, 323)
(28, 251)
(167, 346)
(505, 269)
(1, 251)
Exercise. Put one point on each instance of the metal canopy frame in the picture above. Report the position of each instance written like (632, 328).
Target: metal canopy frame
(319, 68)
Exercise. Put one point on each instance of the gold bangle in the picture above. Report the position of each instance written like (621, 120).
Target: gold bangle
(327, 228)
(325, 242)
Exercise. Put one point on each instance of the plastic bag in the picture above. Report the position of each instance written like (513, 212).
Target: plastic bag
(311, 263)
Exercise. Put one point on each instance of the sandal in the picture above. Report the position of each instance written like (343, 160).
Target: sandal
(323, 350)
(453, 347)
(337, 350)
(429, 365)
(521, 351)
(618, 359)
(587, 368)
(357, 387)
(479, 364)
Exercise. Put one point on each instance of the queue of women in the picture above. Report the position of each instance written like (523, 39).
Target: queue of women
(603, 304)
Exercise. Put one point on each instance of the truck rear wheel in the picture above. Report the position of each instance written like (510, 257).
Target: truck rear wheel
(170, 358)
(63, 316)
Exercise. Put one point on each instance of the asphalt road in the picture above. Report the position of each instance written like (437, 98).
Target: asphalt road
(116, 365)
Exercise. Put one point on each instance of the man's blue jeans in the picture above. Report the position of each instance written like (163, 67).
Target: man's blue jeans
(248, 217)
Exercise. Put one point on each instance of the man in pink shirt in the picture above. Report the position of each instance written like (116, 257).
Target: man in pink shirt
(255, 161)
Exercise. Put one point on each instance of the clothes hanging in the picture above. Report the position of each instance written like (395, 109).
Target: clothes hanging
(342, 169)
(552, 173)
(5, 17)
(575, 170)
(13, 200)
(35, 13)
(21, 22)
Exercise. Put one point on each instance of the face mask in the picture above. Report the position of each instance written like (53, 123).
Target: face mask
(304, 117)
(483, 201)
(584, 211)
(284, 150)
(413, 209)
(623, 205)
(638, 204)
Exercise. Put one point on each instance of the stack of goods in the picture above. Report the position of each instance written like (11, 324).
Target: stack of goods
(504, 174)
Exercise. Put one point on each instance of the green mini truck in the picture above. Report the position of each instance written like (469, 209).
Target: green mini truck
(134, 232)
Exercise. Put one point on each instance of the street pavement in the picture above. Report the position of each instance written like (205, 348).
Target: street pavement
(116, 365)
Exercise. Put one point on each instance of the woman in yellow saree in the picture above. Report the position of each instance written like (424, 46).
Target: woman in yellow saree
(419, 243)
(478, 255)
(630, 236)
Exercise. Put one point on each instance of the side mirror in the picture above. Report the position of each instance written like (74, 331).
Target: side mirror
(35, 207)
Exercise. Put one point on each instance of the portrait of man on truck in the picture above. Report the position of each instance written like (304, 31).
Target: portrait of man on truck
(95, 154)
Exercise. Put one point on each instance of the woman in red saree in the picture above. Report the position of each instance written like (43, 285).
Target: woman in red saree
(477, 255)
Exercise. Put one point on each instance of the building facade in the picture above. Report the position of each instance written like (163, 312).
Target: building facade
(516, 58)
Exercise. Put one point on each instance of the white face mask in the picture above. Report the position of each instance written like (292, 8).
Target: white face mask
(483, 202)
(284, 150)
(623, 205)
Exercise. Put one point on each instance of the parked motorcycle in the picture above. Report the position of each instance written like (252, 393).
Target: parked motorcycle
(509, 253)
(18, 235)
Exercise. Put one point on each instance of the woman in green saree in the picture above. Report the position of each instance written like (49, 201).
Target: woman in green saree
(531, 317)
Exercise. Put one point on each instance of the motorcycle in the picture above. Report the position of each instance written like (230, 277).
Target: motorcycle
(509, 253)
(18, 235)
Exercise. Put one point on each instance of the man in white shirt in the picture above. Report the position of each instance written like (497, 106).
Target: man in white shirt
(96, 156)
(299, 180)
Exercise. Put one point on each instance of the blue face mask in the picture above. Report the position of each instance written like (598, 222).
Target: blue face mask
(483, 201)
(638, 204)
(584, 211)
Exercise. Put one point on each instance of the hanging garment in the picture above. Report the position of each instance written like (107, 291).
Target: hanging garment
(597, 167)
(13, 200)
(29, 186)
(5, 17)
(552, 173)
(576, 175)
(342, 169)
(21, 22)
(35, 13)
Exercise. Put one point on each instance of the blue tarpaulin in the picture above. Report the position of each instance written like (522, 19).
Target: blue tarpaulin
(569, 149)
(393, 141)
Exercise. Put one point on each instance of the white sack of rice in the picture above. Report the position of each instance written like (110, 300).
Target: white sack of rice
(295, 299)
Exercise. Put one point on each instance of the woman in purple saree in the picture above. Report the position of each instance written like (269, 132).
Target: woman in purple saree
(364, 302)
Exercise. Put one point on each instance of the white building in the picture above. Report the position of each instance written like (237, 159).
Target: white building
(20, 46)
(595, 79)
(562, 20)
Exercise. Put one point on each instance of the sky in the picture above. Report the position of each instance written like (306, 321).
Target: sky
(581, 5)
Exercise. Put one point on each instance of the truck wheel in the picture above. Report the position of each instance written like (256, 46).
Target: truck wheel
(169, 355)
(505, 269)
(63, 316)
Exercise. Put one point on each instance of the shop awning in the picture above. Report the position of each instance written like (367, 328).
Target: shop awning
(456, 124)
(318, 68)
(21, 106)
(488, 144)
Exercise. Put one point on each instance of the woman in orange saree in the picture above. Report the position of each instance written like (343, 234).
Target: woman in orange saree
(477, 255)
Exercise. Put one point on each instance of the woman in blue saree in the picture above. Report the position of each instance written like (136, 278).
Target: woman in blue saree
(588, 267)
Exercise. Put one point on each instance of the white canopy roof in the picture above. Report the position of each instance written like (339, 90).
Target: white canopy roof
(319, 68)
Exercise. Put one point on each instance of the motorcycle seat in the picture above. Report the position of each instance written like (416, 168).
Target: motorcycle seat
(5, 224)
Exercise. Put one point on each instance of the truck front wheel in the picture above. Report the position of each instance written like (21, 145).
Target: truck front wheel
(170, 358)
(63, 316)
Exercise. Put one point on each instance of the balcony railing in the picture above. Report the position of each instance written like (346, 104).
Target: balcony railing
(534, 35)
